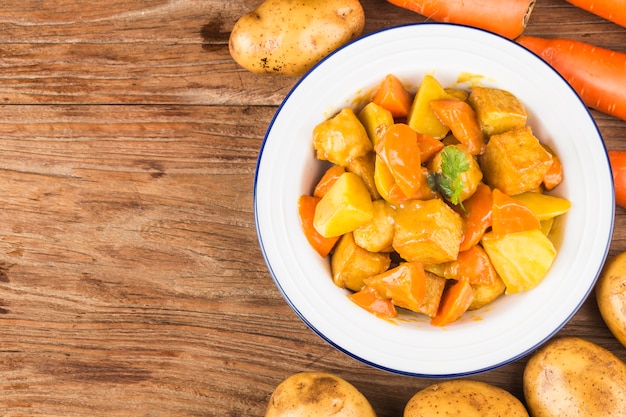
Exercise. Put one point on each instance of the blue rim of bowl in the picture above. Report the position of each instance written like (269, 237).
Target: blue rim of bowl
(368, 362)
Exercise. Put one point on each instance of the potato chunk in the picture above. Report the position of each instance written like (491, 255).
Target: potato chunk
(346, 206)
(522, 259)
(470, 179)
(351, 264)
(377, 234)
(341, 138)
(427, 231)
(363, 166)
(405, 285)
(498, 111)
(434, 290)
(515, 161)
(421, 117)
(376, 120)
(544, 206)
(485, 294)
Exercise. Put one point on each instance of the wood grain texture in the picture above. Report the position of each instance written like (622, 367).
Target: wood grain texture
(131, 279)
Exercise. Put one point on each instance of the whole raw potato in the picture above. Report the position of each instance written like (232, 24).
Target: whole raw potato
(317, 394)
(572, 377)
(463, 397)
(287, 37)
(611, 296)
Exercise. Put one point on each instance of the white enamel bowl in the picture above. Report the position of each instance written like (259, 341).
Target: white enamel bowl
(514, 325)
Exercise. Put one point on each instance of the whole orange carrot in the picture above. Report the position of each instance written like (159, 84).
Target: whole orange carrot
(597, 74)
(504, 17)
(618, 169)
(613, 10)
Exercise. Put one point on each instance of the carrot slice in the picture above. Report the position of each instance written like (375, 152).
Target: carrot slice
(306, 210)
(393, 96)
(429, 146)
(507, 18)
(398, 149)
(597, 74)
(369, 299)
(461, 118)
(389, 190)
(455, 301)
(510, 215)
(474, 265)
(327, 180)
(404, 284)
(477, 216)
(396, 196)
(554, 176)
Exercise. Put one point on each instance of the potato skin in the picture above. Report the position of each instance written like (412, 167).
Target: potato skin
(572, 377)
(288, 37)
(611, 296)
(317, 394)
(463, 397)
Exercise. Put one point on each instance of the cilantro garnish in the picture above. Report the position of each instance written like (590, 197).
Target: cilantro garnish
(454, 162)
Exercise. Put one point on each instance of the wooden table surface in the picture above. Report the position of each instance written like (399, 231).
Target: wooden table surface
(131, 279)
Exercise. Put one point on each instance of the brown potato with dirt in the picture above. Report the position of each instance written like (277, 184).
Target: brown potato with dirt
(287, 37)
(464, 397)
(317, 394)
(611, 296)
(573, 377)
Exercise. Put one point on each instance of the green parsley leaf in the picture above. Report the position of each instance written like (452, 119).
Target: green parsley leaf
(454, 163)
